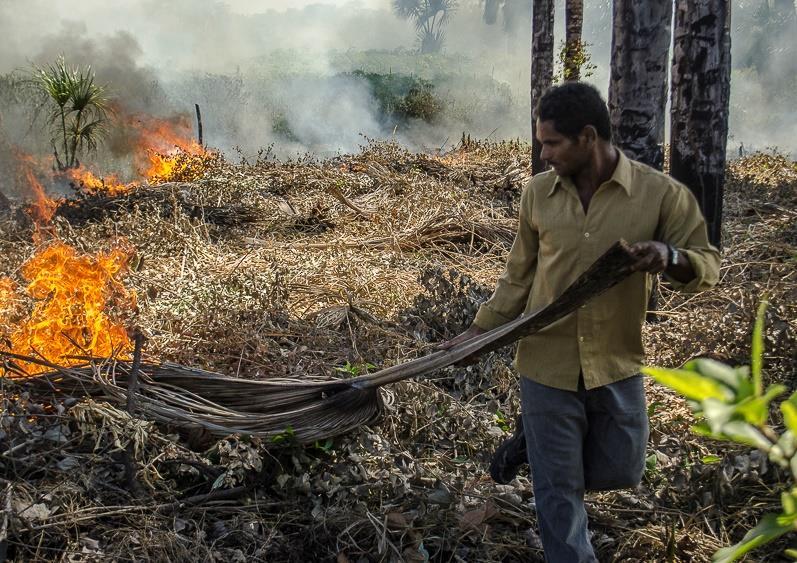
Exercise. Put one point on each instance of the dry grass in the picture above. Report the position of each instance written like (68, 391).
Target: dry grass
(299, 269)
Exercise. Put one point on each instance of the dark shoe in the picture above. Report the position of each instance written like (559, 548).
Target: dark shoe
(510, 456)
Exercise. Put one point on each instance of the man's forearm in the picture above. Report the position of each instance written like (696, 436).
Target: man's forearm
(682, 271)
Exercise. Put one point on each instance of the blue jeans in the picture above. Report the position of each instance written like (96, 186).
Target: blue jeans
(580, 440)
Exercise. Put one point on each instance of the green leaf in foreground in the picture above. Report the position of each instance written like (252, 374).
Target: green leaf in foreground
(757, 347)
(771, 527)
(789, 410)
(723, 373)
(690, 384)
(755, 410)
(743, 433)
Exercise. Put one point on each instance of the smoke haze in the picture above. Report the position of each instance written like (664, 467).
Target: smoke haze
(279, 73)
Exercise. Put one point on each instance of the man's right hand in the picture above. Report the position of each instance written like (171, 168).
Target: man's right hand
(472, 332)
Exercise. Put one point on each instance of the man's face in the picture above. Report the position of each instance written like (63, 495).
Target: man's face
(567, 156)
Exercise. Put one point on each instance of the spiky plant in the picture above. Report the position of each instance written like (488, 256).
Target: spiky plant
(430, 17)
(79, 113)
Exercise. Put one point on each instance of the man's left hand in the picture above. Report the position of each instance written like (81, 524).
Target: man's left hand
(651, 256)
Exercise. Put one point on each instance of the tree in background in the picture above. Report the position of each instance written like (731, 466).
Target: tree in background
(514, 14)
(638, 83)
(638, 86)
(541, 68)
(575, 52)
(701, 72)
(430, 18)
(79, 110)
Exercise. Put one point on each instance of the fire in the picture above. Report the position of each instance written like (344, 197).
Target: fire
(8, 304)
(161, 166)
(109, 184)
(71, 293)
(43, 207)
(165, 149)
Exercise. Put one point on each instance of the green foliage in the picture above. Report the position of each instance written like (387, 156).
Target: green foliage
(79, 110)
(429, 17)
(502, 421)
(420, 103)
(651, 464)
(572, 60)
(404, 61)
(285, 437)
(402, 97)
(354, 370)
(731, 404)
(280, 126)
(324, 446)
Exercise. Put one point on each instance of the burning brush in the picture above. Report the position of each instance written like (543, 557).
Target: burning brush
(68, 320)
(307, 410)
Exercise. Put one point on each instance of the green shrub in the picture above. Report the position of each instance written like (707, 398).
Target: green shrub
(401, 97)
(731, 404)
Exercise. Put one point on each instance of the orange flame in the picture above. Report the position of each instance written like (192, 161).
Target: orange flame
(162, 146)
(8, 303)
(7, 290)
(109, 184)
(43, 207)
(70, 294)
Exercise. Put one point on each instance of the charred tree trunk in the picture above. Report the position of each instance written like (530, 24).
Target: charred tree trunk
(638, 87)
(541, 68)
(638, 83)
(574, 48)
(701, 73)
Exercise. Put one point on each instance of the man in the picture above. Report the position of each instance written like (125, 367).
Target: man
(584, 419)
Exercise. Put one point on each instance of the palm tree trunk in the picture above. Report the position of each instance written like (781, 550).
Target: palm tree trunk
(638, 83)
(66, 146)
(541, 68)
(574, 19)
(75, 137)
(701, 71)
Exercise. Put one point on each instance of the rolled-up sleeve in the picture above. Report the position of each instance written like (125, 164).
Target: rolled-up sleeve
(513, 286)
(682, 225)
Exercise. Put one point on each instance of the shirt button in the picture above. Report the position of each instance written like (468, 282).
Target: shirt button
(581, 339)
(586, 235)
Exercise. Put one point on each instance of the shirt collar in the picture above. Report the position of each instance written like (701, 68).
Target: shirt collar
(622, 175)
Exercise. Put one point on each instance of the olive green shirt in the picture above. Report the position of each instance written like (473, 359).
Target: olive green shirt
(556, 241)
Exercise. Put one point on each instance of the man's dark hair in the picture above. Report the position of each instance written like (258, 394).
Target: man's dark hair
(572, 106)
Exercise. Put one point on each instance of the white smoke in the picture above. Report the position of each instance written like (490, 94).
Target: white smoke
(276, 73)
